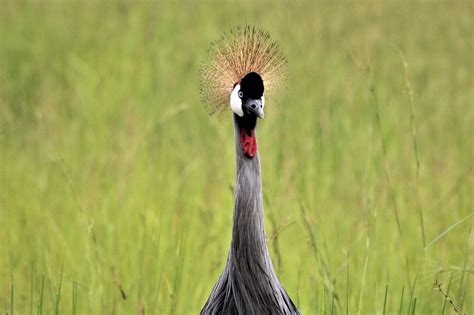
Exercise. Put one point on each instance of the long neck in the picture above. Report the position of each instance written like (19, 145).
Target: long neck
(248, 233)
(248, 284)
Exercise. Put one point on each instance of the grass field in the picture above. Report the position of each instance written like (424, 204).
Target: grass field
(116, 186)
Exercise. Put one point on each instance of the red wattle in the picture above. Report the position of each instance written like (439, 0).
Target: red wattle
(248, 143)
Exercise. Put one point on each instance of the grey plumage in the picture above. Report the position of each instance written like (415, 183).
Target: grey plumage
(248, 284)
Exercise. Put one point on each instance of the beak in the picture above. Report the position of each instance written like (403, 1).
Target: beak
(254, 107)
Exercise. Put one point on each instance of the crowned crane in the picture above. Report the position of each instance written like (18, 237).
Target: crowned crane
(242, 65)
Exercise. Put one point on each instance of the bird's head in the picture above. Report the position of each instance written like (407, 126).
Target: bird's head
(247, 98)
(243, 63)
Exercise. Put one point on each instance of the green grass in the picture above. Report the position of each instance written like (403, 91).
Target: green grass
(114, 182)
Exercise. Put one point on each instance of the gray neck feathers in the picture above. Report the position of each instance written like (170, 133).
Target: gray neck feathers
(248, 284)
(248, 232)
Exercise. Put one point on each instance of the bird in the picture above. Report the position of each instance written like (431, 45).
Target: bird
(243, 67)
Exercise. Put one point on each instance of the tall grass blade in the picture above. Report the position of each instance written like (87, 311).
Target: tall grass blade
(385, 300)
(322, 265)
(347, 287)
(393, 198)
(446, 231)
(415, 145)
(364, 274)
(40, 305)
(414, 307)
(400, 308)
(465, 273)
(332, 304)
(58, 297)
(12, 296)
(74, 297)
(32, 290)
(447, 293)
(412, 293)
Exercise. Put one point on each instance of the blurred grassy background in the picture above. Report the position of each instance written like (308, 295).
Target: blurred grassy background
(115, 185)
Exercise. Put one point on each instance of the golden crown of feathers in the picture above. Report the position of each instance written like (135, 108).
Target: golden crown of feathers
(231, 57)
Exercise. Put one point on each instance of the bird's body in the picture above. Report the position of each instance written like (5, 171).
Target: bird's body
(248, 285)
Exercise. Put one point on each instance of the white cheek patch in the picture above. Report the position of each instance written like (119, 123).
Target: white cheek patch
(236, 101)
(263, 102)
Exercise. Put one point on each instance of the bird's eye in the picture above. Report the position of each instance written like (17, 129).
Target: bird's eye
(241, 94)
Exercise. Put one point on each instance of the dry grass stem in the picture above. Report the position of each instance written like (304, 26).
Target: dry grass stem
(437, 286)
